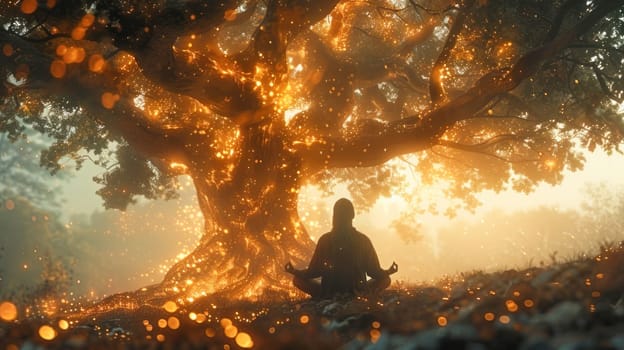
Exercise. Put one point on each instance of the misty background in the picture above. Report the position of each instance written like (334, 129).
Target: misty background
(57, 239)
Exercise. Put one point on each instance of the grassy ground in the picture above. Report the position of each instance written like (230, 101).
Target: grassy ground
(571, 305)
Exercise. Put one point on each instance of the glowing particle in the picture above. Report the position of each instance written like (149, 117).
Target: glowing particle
(78, 33)
(210, 332)
(70, 55)
(442, 322)
(504, 319)
(51, 3)
(511, 306)
(304, 319)
(271, 330)
(162, 323)
(8, 311)
(230, 331)
(63, 324)
(600, 275)
(595, 294)
(108, 101)
(225, 322)
(528, 303)
(244, 340)
(96, 63)
(489, 316)
(9, 204)
(230, 15)
(7, 49)
(28, 6)
(173, 322)
(58, 69)
(170, 306)
(374, 335)
(80, 55)
(201, 318)
(47, 333)
(192, 316)
(87, 20)
(160, 337)
(61, 50)
(376, 324)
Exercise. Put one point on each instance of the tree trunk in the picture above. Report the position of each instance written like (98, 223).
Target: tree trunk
(252, 224)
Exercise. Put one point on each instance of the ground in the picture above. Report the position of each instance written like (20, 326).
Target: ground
(578, 304)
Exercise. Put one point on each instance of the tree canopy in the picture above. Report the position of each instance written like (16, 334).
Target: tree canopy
(253, 99)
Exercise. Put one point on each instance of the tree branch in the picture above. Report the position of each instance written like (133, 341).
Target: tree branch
(421, 132)
(478, 149)
(436, 88)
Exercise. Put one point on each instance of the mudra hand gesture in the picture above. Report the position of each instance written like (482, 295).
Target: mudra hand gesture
(393, 268)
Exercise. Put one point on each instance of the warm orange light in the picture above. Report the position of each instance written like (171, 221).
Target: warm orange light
(63, 324)
(374, 335)
(170, 306)
(173, 322)
(96, 63)
(47, 333)
(442, 322)
(230, 15)
(528, 303)
(58, 69)
(8, 311)
(80, 54)
(304, 319)
(201, 318)
(61, 50)
(7, 50)
(504, 319)
(50, 3)
(244, 340)
(160, 337)
(210, 332)
(488, 316)
(225, 322)
(87, 20)
(162, 323)
(78, 33)
(108, 101)
(28, 6)
(230, 331)
(511, 306)
(70, 55)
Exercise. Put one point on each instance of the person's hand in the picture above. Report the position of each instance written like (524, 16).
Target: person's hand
(289, 268)
(393, 268)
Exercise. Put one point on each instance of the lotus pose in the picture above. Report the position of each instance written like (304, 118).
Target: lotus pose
(342, 259)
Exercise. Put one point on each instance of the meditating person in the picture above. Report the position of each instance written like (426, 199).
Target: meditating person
(342, 259)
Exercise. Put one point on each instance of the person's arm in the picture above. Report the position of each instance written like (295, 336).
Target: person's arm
(373, 269)
(316, 263)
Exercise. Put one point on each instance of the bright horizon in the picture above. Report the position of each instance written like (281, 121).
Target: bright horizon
(376, 223)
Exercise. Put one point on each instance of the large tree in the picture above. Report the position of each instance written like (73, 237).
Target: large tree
(253, 99)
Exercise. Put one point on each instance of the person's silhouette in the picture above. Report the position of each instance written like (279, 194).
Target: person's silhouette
(342, 259)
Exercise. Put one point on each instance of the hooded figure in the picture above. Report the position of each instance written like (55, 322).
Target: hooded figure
(343, 259)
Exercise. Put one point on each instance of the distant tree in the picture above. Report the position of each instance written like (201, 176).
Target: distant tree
(22, 176)
(252, 99)
(33, 268)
